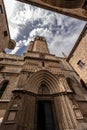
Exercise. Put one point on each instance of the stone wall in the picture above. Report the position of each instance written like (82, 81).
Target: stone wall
(11, 66)
(50, 5)
(79, 58)
(4, 32)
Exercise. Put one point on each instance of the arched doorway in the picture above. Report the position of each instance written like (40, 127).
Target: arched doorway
(44, 85)
(45, 118)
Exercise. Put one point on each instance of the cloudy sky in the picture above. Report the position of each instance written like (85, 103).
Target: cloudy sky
(27, 21)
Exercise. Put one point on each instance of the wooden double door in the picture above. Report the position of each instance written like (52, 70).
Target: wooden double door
(45, 116)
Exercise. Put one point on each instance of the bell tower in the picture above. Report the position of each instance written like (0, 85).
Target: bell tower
(39, 45)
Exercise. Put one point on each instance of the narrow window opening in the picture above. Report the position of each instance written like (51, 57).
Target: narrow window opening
(5, 33)
(11, 116)
(1, 59)
(1, 68)
(1, 11)
(43, 63)
(3, 87)
(80, 64)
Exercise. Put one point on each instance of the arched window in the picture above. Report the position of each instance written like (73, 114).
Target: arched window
(43, 89)
(71, 84)
(3, 87)
(83, 84)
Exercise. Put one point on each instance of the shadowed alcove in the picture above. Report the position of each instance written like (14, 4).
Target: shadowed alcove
(43, 89)
(3, 86)
(71, 84)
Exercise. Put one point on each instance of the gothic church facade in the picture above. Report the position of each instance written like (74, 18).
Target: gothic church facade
(40, 91)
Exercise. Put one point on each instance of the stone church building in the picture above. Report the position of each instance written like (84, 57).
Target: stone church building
(40, 91)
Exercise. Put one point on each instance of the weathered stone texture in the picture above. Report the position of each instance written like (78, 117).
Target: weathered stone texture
(5, 41)
(64, 7)
(80, 53)
(37, 76)
(3, 27)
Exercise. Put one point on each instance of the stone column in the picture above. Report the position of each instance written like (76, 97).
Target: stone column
(65, 113)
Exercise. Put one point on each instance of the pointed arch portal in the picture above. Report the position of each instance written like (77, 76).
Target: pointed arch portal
(42, 77)
(44, 83)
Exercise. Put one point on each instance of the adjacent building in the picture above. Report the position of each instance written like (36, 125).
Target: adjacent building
(5, 41)
(78, 56)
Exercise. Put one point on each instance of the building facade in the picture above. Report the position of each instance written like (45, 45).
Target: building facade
(78, 56)
(40, 91)
(5, 41)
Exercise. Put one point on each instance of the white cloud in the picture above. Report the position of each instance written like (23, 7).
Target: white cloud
(14, 31)
(26, 21)
(10, 5)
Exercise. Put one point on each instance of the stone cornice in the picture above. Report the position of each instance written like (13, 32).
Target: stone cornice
(76, 13)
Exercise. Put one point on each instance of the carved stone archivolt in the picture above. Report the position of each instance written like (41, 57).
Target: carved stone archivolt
(35, 80)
